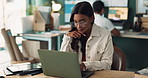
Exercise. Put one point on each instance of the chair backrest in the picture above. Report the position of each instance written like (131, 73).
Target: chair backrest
(119, 60)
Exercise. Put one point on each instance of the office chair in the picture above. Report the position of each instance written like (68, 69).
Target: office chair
(119, 60)
(14, 52)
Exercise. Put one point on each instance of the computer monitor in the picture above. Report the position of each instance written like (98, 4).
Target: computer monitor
(118, 13)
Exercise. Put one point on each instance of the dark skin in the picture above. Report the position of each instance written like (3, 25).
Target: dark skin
(82, 29)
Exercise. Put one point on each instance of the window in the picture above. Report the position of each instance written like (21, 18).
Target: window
(11, 12)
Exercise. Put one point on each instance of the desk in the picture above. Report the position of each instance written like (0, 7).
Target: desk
(135, 48)
(98, 74)
(133, 35)
(45, 36)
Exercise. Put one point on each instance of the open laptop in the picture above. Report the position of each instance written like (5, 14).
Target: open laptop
(61, 64)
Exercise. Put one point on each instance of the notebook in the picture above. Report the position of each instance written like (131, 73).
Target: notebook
(61, 64)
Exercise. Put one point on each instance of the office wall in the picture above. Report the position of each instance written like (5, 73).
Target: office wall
(128, 24)
(32, 4)
(41, 2)
(37, 2)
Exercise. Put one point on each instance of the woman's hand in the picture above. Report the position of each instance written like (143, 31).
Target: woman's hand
(82, 67)
(74, 34)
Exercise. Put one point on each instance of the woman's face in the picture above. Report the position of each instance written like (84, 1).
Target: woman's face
(82, 22)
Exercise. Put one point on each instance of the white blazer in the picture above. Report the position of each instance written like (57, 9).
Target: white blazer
(99, 49)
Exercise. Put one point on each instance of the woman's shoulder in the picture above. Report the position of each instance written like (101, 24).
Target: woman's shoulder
(101, 32)
(101, 29)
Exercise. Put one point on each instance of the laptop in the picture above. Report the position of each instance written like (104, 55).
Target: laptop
(61, 64)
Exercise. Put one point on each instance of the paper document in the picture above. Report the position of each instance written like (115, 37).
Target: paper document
(143, 71)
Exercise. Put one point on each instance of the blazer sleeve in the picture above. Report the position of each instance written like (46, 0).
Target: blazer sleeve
(66, 46)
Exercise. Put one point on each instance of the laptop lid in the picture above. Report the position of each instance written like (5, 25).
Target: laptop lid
(60, 64)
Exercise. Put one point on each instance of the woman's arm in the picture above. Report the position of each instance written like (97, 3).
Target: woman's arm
(65, 46)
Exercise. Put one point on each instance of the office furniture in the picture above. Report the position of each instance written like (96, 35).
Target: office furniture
(40, 40)
(119, 60)
(8, 44)
(15, 54)
(137, 35)
(42, 19)
(39, 22)
(51, 37)
(30, 49)
(135, 48)
(97, 74)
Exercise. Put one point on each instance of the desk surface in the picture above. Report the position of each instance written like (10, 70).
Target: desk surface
(133, 35)
(98, 74)
(57, 33)
(51, 37)
(52, 33)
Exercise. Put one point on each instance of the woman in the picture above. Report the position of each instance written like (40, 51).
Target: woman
(92, 43)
